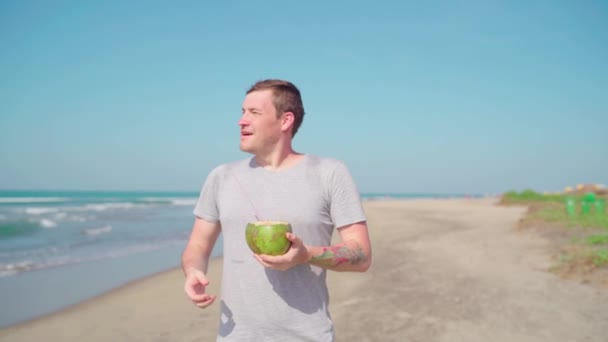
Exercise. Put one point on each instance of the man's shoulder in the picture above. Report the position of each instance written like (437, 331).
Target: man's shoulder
(325, 162)
(229, 166)
(236, 163)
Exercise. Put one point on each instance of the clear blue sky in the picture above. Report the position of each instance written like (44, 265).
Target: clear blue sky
(436, 96)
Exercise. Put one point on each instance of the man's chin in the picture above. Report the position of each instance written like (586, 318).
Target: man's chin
(246, 149)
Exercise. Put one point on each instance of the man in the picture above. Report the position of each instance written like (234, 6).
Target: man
(276, 298)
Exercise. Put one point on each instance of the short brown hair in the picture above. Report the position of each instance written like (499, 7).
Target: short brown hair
(286, 99)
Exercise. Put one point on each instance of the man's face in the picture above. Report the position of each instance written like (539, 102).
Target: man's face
(260, 127)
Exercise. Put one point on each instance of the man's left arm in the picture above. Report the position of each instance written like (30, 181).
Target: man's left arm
(352, 254)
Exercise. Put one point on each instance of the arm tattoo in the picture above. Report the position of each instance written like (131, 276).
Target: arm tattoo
(336, 255)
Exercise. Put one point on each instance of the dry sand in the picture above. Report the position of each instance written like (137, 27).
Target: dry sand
(443, 270)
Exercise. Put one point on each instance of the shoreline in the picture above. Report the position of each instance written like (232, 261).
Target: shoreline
(91, 300)
(214, 260)
(438, 274)
(130, 301)
(33, 295)
(57, 299)
(217, 257)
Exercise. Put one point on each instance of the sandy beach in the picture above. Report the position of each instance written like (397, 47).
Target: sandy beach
(443, 270)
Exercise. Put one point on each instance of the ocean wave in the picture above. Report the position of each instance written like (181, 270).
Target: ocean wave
(40, 210)
(11, 269)
(107, 206)
(78, 213)
(138, 204)
(175, 201)
(89, 207)
(96, 231)
(15, 267)
(154, 200)
(62, 214)
(184, 201)
(46, 223)
(25, 200)
(40, 252)
(9, 229)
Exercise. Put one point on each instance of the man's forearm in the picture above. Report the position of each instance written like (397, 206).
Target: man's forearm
(344, 257)
(193, 257)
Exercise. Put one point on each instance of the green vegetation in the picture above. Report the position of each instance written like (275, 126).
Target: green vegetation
(558, 214)
(569, 210)
(529, 195)
(578, 222)
(597, 240)
(601, 257)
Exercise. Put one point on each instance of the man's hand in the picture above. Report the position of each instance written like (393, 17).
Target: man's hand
(297, 254)
(196, 282)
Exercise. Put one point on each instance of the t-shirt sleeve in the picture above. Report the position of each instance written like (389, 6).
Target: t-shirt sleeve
(206, 205)
(345, 201)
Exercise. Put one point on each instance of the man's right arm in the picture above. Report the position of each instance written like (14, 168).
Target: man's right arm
(195, 261)
(198, 250)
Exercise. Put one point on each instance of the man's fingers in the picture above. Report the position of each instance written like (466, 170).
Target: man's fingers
(268, 261)
(202, 298)
(206, 302)
(199, 297)
(191, 290)
(195, 293)
(292, 237)
(260, 259)
(196, 282)
(270, 264)
(202, 279)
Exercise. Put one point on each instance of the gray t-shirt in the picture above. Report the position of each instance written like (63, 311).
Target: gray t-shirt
(315, 196)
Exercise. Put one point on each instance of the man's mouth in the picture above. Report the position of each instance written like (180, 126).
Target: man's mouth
(244, 134)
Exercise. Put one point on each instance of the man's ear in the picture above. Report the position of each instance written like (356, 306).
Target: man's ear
(287, 121)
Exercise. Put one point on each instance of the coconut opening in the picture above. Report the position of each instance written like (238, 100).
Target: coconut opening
(265, 223)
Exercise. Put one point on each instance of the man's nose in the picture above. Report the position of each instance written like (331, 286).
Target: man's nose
(244, 121)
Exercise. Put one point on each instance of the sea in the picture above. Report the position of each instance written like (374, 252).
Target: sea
(59, 248)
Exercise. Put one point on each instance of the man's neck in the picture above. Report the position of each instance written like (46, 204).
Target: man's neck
(279, 159)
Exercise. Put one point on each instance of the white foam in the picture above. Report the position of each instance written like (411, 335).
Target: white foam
(10, 269)
(64, 217)
(24, 266)
(176, 201)
(156, 199)
(40, 211)
(183, 201)
(50, 259)
(17, 267)
(106, 206)
(46, 223)
(80, 219)
(97, 231)
(61, 215)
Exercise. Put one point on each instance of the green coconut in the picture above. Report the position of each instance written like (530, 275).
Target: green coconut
(268, 237)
